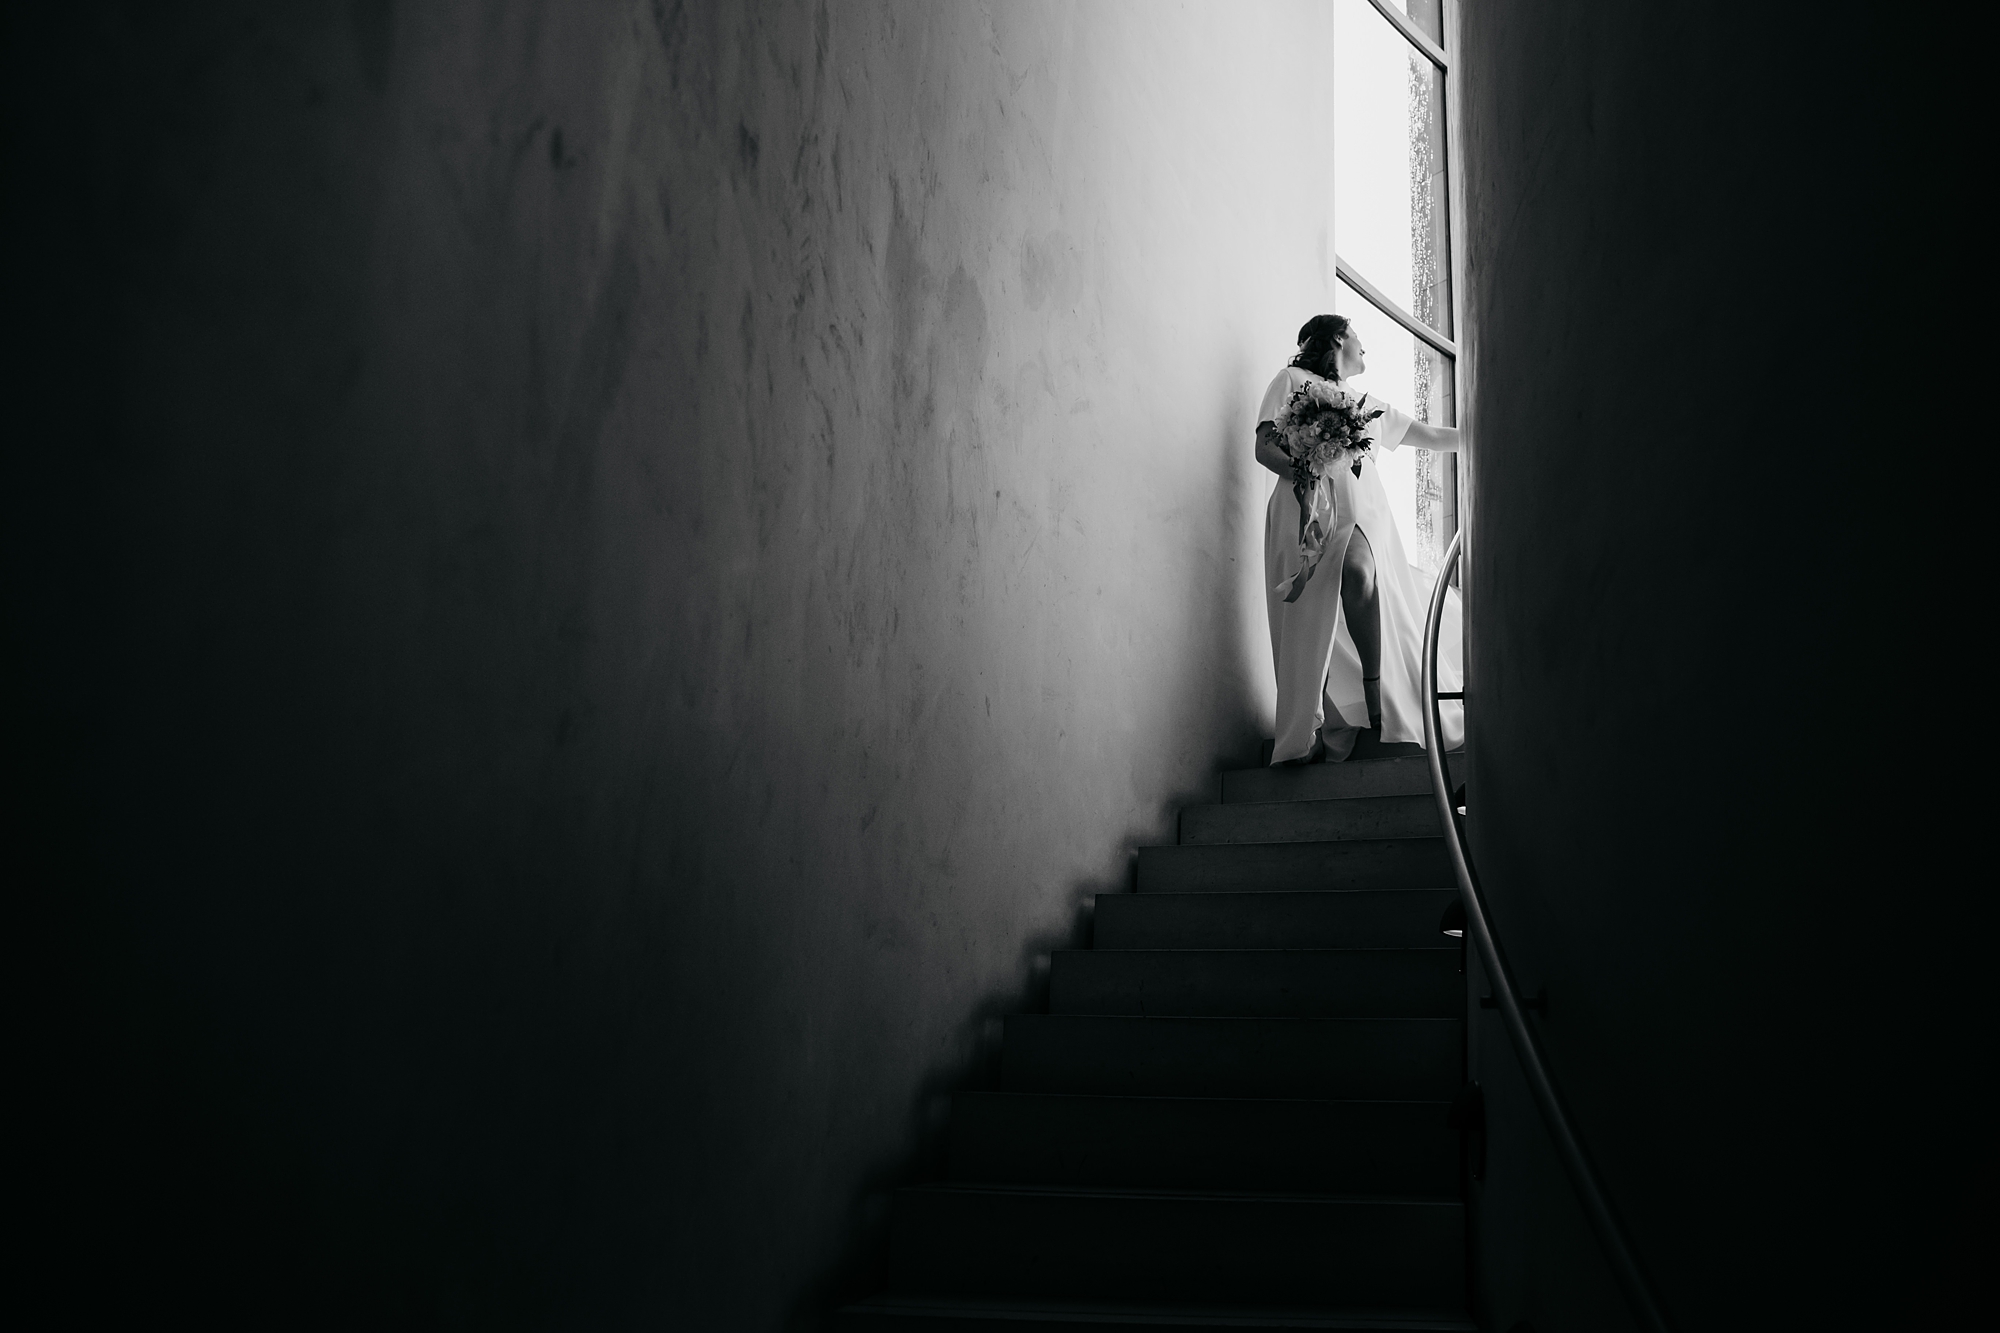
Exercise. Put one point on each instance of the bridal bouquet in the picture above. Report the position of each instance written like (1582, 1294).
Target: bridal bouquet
(1319, 425)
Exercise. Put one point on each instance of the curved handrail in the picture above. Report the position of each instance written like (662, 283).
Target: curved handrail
(1624, 1263)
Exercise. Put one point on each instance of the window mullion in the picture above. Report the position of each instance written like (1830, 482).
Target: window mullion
(1413, 34)
(1370, 293)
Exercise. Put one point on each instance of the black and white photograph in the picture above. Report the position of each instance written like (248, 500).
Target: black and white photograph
(998, 666)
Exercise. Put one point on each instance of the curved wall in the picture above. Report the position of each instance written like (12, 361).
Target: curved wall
(1704, 821)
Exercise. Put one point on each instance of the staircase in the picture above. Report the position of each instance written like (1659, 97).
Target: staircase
(1234, 1114)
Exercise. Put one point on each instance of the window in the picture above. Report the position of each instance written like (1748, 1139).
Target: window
(1392, 240)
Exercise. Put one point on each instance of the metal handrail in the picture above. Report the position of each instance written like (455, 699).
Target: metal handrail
(1624, 1263)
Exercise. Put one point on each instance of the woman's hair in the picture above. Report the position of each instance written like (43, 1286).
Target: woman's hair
(1318, 336)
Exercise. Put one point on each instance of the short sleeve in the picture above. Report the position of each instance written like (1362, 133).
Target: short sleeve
(1274, 397)
(1392, 425)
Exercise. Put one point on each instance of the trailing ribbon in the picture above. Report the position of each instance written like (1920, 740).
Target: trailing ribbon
(1320, 424)
(1312, 537)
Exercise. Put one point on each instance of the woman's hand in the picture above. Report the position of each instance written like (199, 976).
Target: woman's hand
(1272, 454)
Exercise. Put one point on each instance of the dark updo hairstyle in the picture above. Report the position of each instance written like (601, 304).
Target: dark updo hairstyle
(1318, 336)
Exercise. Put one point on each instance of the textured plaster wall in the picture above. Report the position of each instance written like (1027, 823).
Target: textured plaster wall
(604, 580)
(1704, 819)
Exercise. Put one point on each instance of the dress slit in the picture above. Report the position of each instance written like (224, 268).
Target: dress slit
(1321, 694)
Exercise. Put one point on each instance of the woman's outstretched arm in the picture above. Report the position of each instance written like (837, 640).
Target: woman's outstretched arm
(1270, 454)
(1442, 439)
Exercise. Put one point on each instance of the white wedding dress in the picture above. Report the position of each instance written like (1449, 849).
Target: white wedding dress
(1318, 667)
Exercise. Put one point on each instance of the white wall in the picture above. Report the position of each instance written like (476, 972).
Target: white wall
(660, 554)
(976, 581)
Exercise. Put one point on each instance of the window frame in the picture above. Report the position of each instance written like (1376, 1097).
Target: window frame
(1453, 479)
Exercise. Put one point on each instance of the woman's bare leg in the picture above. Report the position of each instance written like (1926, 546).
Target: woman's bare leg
(1359, 604)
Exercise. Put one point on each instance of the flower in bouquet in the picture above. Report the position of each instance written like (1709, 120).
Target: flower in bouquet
(1319, 425)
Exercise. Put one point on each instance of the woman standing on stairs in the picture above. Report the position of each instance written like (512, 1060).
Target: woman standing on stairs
(1348, 650)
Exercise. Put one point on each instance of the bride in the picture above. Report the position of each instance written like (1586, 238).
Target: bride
(1348, 649)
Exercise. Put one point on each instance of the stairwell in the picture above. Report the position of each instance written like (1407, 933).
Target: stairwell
(1234, 1114)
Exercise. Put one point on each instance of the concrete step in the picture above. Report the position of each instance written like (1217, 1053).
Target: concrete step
(944, 1314)
(1311, 821)
(1259, 983)
(1329, 919)
(1163, 1246)
(1366, 750)
(1205, 1143)
(1263, 867)
(1368, 1059)
(1408, 775)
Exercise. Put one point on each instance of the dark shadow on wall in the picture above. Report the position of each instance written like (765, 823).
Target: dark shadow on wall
(1214, 608)
(862, 1268)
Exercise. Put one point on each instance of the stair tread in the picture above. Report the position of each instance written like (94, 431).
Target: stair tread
(1246, 1101)
(1293, 842)
(1334, 819)
(1175, 1245)
(1238, 895)
(1394, 776)
(1407, 982)
(1388, 760)
(1233, 1056)
(1385, 800)
(1284, 918)
(1283, 1145)
(1373, 799)
(1304, 865)
(1186, 1246)
(1224, 1018)
(1180, 1195)
(1288, 843)
(1367, 749)
(1185, 1316)
(1274, 948)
